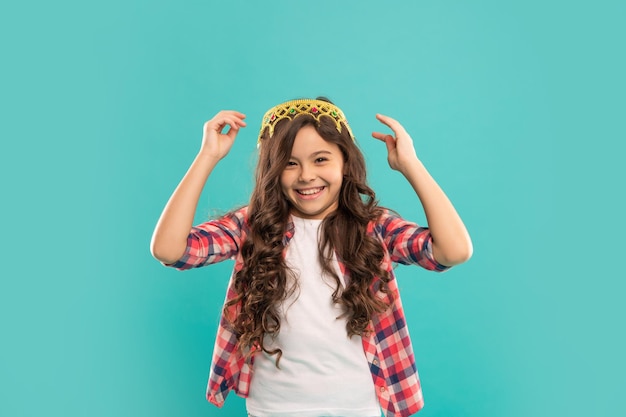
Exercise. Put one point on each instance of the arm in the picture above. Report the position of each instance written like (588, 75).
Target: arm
(169, 240)
(451, 244)
(408, 243)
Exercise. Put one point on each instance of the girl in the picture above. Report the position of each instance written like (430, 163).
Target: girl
(313, 323)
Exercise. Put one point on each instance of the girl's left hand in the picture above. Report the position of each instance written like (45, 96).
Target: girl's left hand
(400, 151)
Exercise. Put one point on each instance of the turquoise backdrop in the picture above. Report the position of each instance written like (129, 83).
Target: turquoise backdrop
(516, 108)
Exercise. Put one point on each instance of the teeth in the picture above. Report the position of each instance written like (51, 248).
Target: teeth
(310, 191)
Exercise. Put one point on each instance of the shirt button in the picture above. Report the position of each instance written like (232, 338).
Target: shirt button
(375, 362)
(383, 389)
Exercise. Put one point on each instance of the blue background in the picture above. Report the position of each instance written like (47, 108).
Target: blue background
(516, 108)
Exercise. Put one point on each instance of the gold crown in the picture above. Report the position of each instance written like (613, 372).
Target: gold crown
(292, 109)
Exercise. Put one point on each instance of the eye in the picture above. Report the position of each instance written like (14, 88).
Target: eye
(321, 159)
(291, 164)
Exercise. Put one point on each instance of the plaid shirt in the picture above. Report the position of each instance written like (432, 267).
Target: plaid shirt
(387, 346)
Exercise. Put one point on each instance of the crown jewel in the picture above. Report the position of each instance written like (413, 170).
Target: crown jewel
(292, 109)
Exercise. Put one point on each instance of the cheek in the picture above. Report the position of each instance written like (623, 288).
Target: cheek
(339, 172)
(286, 179)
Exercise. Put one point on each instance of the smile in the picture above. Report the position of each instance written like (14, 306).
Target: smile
(310, 191)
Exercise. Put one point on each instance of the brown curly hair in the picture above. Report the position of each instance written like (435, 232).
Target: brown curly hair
(263, 282)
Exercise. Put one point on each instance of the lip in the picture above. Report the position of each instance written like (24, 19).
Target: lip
(311, 195)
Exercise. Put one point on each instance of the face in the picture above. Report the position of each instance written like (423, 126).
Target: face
(313, 176)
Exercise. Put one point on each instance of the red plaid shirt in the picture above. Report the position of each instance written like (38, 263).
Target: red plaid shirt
(387, 347)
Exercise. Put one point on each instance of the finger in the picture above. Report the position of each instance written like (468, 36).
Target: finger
(217, 123)
(237, 118)
(224, 117)
(393, 124)
(232, 132)
(229, 120)
(232, 113)
(390, 142)
(236, 122)
(381, 136)
(221, 125)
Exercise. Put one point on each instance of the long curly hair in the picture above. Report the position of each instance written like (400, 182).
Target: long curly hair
(264, 280)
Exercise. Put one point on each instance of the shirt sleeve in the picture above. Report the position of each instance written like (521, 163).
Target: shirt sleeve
(408, 243)
(213, 241)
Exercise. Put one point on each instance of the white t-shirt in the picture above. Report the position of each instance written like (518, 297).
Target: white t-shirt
(322, 371)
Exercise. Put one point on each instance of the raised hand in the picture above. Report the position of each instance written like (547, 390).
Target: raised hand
(169, 240)
(215, 142)
(400, 151)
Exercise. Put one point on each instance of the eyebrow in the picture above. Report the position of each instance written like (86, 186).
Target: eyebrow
(314, 154)
(321, 152)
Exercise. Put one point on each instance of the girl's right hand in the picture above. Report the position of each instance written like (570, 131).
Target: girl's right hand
(215, 143)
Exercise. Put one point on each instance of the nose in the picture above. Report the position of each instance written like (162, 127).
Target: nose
(307, 173)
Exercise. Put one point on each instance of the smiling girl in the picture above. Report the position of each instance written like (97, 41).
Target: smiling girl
(313, 323)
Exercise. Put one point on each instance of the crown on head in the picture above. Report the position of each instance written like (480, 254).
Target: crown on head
(292, 109)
